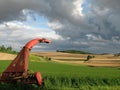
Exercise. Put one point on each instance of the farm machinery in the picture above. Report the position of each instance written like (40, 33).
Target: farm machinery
(17, 71)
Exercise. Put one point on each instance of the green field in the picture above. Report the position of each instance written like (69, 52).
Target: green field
(59, 76)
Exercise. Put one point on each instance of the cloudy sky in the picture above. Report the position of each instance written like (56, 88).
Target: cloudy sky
(88, 25)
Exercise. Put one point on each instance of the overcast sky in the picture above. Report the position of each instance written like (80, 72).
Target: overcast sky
(88, 25)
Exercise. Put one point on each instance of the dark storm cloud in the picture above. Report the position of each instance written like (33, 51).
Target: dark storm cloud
(91, 26)
(10, 9)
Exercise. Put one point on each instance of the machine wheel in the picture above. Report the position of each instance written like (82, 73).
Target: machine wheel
(38, 78)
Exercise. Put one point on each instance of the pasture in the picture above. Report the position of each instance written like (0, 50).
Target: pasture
(64, 76)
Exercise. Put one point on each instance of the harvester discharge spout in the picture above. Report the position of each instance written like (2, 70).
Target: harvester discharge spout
(17, 71)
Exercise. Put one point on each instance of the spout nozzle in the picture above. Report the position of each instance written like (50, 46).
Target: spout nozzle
(43, 40)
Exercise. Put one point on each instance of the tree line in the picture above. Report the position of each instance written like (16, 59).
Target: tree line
(73, 51)
(8, 49)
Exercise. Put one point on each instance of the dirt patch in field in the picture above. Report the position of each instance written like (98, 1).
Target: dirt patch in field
(5, 56)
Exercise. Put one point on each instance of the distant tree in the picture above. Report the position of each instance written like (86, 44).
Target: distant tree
(117, 54)
(89, 57)
(73, 51)
(2, 48)
(57, 50)
(9, 48)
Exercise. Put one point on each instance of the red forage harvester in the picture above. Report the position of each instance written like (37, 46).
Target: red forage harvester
(17, 71)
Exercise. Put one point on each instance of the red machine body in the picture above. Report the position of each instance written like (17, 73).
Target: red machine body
(17, 71)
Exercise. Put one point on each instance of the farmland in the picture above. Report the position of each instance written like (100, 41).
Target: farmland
(106, 60)
(65, 75)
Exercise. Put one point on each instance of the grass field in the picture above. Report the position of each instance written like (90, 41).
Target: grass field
(59, 76)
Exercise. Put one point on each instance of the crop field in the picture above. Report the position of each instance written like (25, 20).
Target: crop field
(106, 60)
(64, 76)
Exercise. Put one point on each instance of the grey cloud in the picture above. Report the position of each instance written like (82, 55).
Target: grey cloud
(10, 9)
(101, 19)
(110, 4)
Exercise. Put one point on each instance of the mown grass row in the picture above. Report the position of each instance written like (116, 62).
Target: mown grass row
(68, 77)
